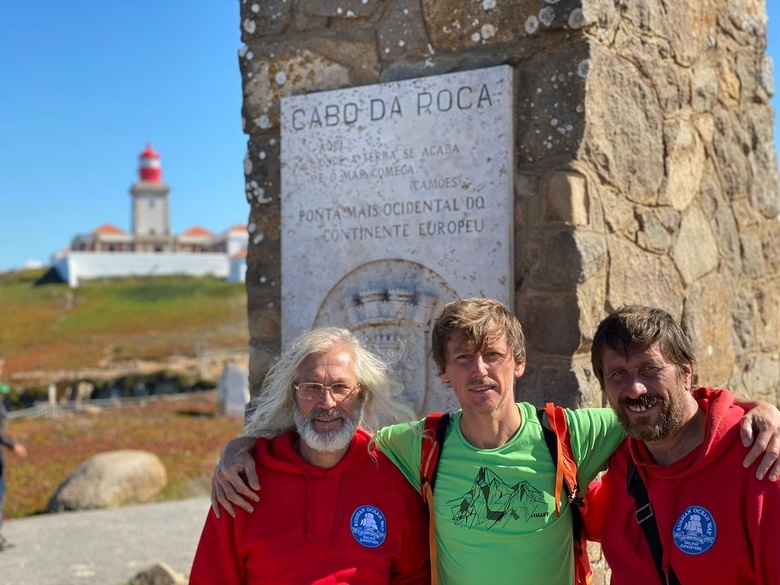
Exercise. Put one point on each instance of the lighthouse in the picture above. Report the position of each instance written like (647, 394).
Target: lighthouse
(149, 167)
(151, 218)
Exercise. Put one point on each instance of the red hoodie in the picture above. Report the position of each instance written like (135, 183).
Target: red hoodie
(718, 523)
(359, 522)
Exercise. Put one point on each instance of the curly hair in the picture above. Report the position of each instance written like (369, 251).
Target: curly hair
(271, 411)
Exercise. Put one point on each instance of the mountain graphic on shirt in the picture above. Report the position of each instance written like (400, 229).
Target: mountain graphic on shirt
(491, 501)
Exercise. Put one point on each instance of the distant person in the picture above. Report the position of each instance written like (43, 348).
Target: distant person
(333, 510)
(495, 510)
(710, 520)
(17, 448)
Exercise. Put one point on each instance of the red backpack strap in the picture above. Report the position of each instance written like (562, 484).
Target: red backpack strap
(565, 464)
(559, 443)
(433, 440)
(431, 448)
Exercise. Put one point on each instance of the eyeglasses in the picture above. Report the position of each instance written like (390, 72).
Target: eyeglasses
(314, 390)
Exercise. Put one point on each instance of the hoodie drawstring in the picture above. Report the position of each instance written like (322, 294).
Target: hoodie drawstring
(309, 507)
(334, 537)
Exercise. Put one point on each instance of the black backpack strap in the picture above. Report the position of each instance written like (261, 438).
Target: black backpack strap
(646, 519)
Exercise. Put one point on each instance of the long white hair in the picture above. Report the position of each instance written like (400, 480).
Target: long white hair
(271, 411)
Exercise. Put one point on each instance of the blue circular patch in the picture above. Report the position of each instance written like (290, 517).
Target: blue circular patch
(368, 526)
(695, 531)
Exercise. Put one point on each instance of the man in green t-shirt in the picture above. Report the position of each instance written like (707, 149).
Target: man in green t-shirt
(494, 507)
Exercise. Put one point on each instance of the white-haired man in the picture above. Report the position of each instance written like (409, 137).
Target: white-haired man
(333, 509)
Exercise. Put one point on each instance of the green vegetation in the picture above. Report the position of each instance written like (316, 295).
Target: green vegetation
(54, 331)
(183, 430)
(51, 327)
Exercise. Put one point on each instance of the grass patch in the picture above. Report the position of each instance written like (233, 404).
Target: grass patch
(52, 327)
(183, 430)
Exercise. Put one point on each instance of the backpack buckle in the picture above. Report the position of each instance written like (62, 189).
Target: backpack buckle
(644, 513)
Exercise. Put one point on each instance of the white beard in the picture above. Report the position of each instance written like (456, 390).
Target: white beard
(329, 441)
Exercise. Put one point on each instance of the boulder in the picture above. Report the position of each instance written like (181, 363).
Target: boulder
(159, 574)
(111, 479)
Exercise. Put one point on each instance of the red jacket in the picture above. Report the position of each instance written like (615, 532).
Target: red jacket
(360, 522)
(718, 523)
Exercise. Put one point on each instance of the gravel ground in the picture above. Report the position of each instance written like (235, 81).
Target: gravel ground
(101, 547)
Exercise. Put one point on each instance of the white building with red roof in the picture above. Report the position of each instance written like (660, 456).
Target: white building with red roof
(151, 249)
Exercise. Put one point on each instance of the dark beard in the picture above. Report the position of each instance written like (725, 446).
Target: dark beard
(655, 427)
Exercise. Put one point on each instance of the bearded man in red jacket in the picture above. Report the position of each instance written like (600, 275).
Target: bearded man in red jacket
(676, 505)
(332, 509)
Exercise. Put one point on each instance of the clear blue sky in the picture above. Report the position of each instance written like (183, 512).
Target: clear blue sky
(85, 85)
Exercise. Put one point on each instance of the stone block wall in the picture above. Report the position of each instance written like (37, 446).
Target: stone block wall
(645, 163)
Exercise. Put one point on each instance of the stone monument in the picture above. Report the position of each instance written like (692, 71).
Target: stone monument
(642, 163)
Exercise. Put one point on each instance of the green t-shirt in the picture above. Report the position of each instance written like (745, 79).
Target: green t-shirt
(494, 508)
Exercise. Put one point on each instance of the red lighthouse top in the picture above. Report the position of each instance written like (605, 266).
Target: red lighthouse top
(149, 165)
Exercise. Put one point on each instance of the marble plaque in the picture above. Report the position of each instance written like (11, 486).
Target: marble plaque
(396, 198)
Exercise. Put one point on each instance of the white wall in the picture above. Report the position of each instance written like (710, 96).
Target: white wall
(77, 266)
(237, 270)
(236, 241)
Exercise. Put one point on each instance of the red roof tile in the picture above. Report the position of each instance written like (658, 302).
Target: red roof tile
(106, 229)
(197, 231)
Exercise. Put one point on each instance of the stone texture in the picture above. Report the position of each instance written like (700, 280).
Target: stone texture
(111, 479)
(270, 70)
(653, 236)
(727, 236)
(752, 258)
(761, 378)
(628, 152)
(766, 79)
(695, 253)
(550, 322)
(743, 315)
(555, 381)
(730, 143)
(684, 164)
(767, 315)
(637, 277)
(618, 213)
(266, 17)
(745, 21)
(402, 35)
(712, 339)
(456, 25)
(704, 84)
(711, 195)
(765, 188)
(566, 198)
(770, 243)
(590, 300)
(689, 28)
(569, 258)
(548, 126)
